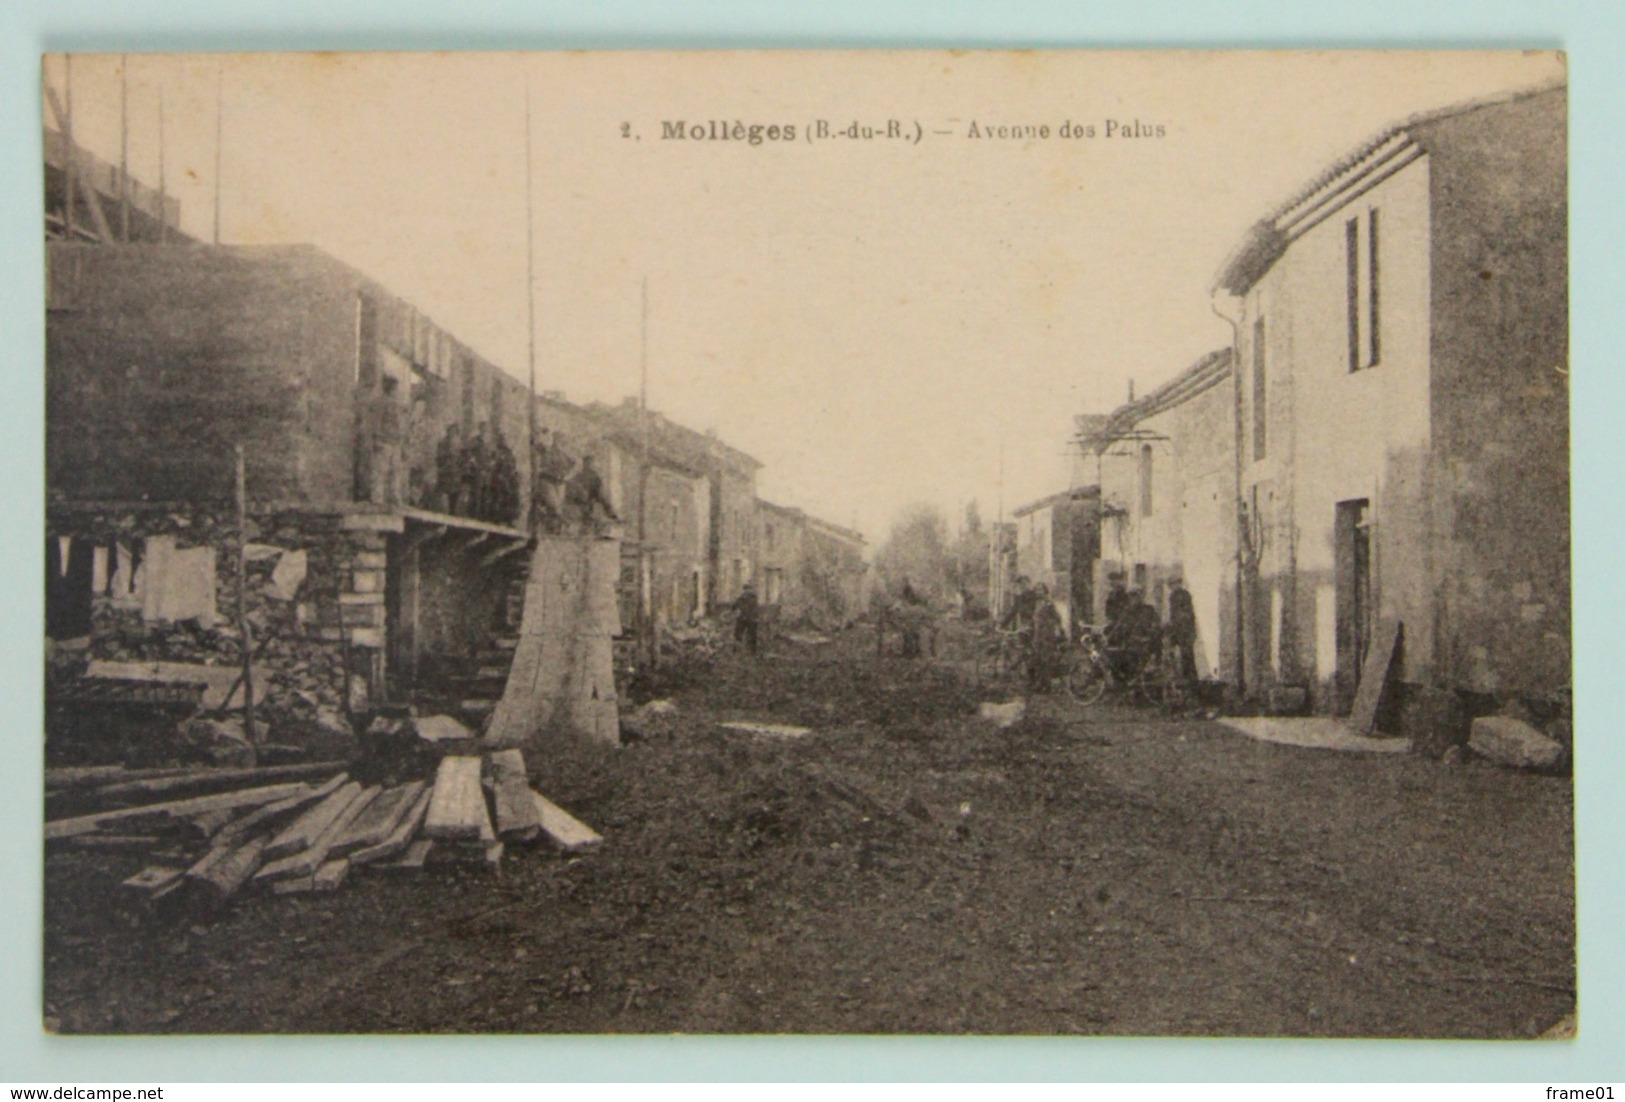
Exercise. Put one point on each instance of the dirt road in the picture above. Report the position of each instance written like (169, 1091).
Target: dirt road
(904, 868)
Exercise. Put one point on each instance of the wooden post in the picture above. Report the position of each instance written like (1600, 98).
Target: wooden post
(530, 316)
(68, 159)
(245, 633)
(219, 134)
(124, 147)
(163, 190)
(646, 618)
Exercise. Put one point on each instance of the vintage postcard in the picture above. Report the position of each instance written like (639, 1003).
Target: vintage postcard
(808, 542)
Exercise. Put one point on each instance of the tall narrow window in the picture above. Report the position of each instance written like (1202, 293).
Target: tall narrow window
(1260, 393)
(1360, 247)
(1373, 328)
(366, 341)
(1145, 480)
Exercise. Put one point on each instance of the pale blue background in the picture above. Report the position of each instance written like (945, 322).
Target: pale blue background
(1591, 32)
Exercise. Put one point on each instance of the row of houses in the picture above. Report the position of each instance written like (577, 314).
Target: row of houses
(167, 360)
(1380, 455)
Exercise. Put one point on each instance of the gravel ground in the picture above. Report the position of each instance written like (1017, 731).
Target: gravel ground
(903, 868)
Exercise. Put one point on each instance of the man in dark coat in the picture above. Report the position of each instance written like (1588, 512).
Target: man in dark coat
(553, 466)
(476, 474)
(1182, 629)
(747, 617)
(1022, 606)
(1048, 633)
(1140, 636)
(1116, 605)
(448, 470)
(503, 504)
(585, 493)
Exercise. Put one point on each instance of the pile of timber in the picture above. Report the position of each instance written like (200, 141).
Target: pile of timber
(296, 836)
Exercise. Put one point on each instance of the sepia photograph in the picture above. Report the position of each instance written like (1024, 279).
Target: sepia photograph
(896, 542)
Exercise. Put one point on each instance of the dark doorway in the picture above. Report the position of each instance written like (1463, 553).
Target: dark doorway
(1352, 533)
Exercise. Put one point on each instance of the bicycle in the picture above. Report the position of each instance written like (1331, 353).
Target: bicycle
(1005, 653)
(1094, 670)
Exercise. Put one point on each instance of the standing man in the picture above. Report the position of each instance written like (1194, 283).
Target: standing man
(504, 502)
(552, 469)
(747, 617)
(1048, 634)
(1141, 634)
(1116, 605)
(448, 470)
(1182, 629)
(585, 493)
(476, 474)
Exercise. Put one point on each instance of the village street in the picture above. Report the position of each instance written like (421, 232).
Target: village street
(904, 867)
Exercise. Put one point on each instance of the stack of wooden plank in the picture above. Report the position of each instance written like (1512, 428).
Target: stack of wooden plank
(300, 837)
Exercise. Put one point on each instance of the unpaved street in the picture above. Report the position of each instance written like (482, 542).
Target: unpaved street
(904, 868)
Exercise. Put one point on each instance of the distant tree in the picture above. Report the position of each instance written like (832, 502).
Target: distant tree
(973, 520)
(916, 550)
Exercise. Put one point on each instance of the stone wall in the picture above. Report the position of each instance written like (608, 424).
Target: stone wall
(300, 671)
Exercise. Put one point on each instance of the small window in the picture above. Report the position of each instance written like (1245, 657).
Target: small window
(1145, 480)
(1360, 247)
(1260, 392)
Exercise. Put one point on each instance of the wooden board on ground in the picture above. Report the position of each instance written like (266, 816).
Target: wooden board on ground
(299, 834)
(307, 861)
(274, 815)
(517, 816)
(252, 797)
(507, 763)
(379, 820)
(154, 878)
(95, 776)
(116, 842)
(515, 810)
(417, 853)
(457, 808)
(563, 829)
(330, 875)
(225, 870)
(196, 782)
(399, 839)
(1374, 677)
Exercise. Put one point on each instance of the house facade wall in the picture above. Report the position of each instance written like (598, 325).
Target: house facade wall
(733, 532)
(782, 547)
(1334, 435)
(162, 358)
(1179, 461)
(1499, 397)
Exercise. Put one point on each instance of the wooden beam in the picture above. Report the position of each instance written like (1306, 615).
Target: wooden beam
(400, 838)
(308, 861)
(195, 781)
(517, 816)
(501, 553)
(251, 797)
(228, 868)
(379, 820)
(457, 808)
(422, 536)
(565, 830)
(302, 833)
(273, 815)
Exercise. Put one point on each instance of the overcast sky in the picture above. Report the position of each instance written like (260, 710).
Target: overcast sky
(870, 319)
